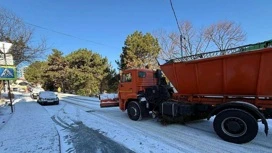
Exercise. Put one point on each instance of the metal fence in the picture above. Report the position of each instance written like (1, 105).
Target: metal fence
(236, 50)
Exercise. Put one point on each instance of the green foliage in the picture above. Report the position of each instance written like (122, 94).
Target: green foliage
(113, 81)
(86, 71)
(82, 71)
(110, 82)
(33, 73)
(139, 51)
(55, 73)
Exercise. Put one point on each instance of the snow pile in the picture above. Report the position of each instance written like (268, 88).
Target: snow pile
(37, 90)
(105, 97)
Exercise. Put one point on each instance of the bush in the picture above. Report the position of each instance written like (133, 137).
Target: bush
(82, 92)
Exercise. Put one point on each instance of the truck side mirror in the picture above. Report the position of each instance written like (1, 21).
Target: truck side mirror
(158, 74)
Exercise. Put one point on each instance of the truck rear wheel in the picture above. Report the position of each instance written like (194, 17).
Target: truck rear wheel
(134, 111)
(235, 125)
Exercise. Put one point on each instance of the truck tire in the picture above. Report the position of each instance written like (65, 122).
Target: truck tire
(235, 125)
(134, 111)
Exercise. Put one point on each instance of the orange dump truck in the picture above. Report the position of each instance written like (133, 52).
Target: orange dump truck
(234, 85)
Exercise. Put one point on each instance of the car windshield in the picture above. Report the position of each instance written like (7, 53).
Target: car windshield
(23, 83)
(47, 94)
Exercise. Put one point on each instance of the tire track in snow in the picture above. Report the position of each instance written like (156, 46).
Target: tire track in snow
(152, 135)
(193, 135)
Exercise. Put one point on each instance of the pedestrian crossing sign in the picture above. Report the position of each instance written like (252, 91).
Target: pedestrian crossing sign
(8, 73)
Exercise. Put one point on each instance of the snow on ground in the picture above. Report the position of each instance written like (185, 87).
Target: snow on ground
(85, 127)
(108, 96)
(5, 112)
(29, 129)
(76, 136)
(5, 115)
(149, 135)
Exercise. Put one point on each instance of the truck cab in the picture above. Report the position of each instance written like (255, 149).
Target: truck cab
(132, 84)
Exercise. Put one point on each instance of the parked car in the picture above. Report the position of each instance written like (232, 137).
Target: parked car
(48, 97)
(22, 86)
(35, 92)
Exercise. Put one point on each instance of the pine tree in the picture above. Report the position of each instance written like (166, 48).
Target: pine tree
(139, 51)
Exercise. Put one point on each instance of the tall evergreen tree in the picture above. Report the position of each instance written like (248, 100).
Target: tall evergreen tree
(55, 74)
(139, 51)
(86, 71)
(33, 73)
(110, 82)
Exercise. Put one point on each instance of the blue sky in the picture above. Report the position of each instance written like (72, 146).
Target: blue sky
(109, 22)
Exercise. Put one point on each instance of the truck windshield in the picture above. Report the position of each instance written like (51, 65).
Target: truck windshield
(141, 74)
(126, 77)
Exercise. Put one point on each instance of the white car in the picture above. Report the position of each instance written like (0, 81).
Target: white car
(35, 92)
(48, 97)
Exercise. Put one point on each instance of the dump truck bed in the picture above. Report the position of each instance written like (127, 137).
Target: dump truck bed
(244, 74)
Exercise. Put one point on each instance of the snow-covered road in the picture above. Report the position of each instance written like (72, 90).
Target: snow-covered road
(85, 127)
(149, 135)
(76, 136)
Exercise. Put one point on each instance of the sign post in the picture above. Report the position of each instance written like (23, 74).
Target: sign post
(7, 73)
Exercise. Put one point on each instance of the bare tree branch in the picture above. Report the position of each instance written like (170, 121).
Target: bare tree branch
(13, 30)
(169, 44)
(193, 42)
(225, 34)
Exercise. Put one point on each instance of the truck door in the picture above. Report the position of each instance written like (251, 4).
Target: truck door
(124, 88)
(126, 85)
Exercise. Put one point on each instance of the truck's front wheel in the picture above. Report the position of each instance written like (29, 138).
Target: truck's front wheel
(235, 125)
(134, 111)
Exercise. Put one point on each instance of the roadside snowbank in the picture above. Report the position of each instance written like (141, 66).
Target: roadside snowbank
(29, 129)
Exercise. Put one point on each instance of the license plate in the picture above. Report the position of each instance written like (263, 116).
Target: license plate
(50, 101)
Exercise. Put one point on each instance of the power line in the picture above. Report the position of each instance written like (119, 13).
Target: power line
(175, 16)
(181, 37)
(65, 34)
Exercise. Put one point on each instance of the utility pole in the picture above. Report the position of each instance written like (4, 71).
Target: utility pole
(180, 39)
